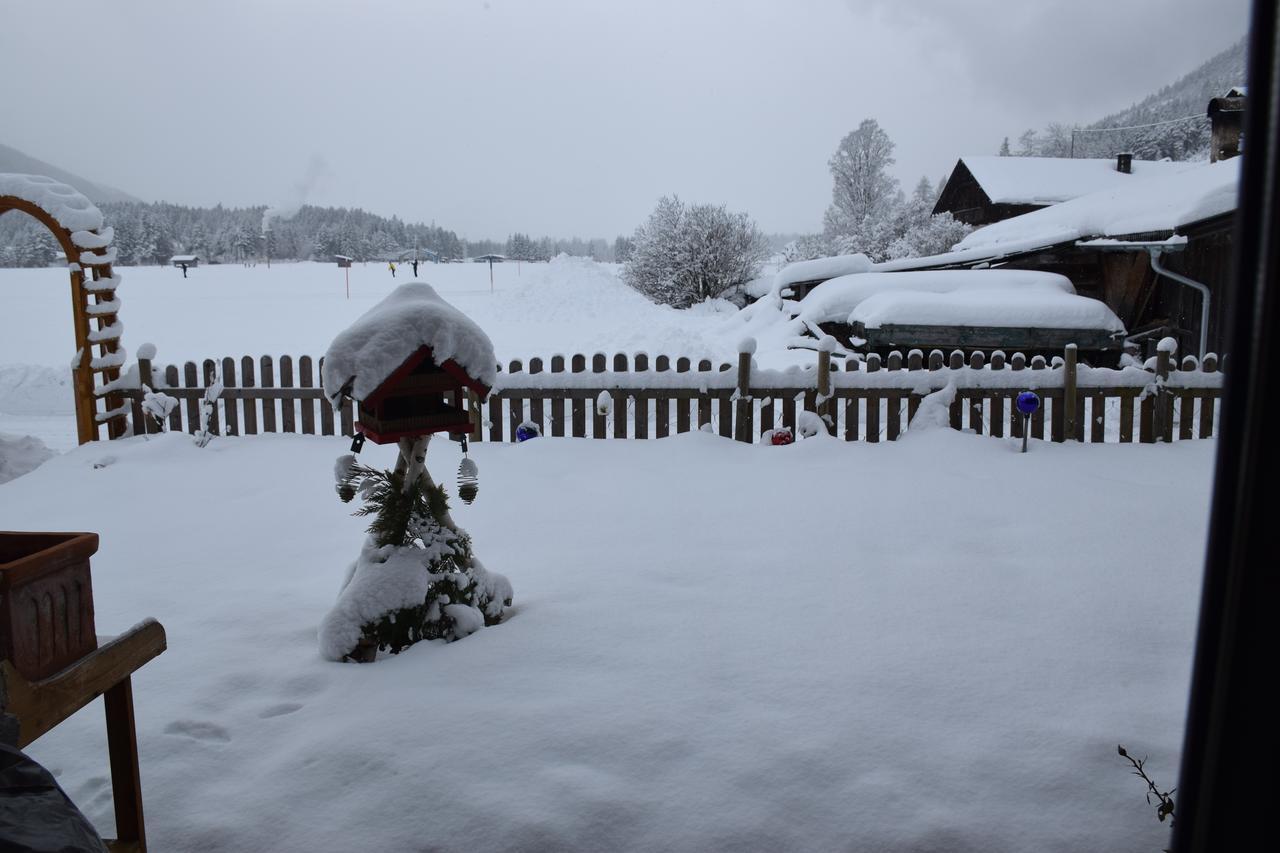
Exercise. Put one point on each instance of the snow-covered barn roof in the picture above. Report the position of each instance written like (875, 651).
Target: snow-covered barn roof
(1050, 180)
(1016, 298)
(1162, 204)
(67, 205)
(364, 355)
(822, 268)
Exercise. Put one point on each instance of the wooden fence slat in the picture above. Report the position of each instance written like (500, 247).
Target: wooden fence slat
(893, 417)
(250, 405)
(997, 411)
(662, 415)
(704, 400)
(1126, 419)
(307, 407)
(191, 379)
(268, 406)
(599, 424)
(535, 405)
(1206, 416)
(726, 416)
(230, 404)
(210, 373)
(642, 414)
(1097, 418)
(495, 417)
(171, 381)
(326, 408)
(288, 419)
(348, 417)
(620, 413)
(852, 416)
(557, 403)
(1186, 415)
(515, 414)
(1147, 419)
(1037, 417)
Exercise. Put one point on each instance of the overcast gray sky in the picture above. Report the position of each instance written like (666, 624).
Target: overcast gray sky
(563, 117)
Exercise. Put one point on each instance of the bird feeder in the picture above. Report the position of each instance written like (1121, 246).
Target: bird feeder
(419, 398)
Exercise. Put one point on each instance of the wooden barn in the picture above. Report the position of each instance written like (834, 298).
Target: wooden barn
(1134, 248)
(982, 190)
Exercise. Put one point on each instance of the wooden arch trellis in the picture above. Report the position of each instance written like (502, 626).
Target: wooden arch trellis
(78, 227)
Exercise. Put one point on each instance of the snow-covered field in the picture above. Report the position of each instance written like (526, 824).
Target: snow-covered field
(567, 306)
(934, 644)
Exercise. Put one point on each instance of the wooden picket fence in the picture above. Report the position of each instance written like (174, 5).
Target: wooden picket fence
(633, 397)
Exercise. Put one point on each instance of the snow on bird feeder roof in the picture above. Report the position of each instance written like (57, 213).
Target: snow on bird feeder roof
(67, 205)
(370, 351)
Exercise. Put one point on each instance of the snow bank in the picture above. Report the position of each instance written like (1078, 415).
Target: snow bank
(412, 316)
(1049, 180)
(65, 204)
(21, 454)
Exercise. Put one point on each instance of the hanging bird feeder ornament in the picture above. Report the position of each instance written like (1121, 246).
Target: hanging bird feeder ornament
(1028, 402)
(408, 366)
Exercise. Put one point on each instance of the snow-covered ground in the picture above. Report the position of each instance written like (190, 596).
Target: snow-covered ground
(568, 306)
(934, 644)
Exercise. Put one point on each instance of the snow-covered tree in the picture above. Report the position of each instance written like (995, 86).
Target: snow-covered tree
(684, 254)
(1004, 148)
(622, 248)
(933, 235)
(863, 191)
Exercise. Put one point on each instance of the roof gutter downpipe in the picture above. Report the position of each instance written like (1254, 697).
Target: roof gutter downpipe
(1160, 269)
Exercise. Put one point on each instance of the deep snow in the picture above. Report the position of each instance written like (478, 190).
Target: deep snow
(934, 644)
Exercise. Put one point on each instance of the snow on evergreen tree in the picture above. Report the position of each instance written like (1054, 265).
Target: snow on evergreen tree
(1004, 148)
(685, 254)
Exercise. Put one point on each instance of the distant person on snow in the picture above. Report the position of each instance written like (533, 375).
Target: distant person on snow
(183, 267)
(415, 267)
(391, 266)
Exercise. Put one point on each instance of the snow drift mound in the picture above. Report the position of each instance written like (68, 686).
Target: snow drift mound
(21, 454)
(29, 389)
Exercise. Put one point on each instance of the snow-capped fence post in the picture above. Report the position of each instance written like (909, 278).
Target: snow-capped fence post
(1071, 426)
(825, 407)
(743, 420)
(1163, 398)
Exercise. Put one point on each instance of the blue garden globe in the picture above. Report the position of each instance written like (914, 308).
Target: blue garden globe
(1028, 402)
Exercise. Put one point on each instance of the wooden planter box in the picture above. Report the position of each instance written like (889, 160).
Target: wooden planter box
(46, 601)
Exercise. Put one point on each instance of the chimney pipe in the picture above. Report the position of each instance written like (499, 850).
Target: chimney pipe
(1226, 116)
(1124, 162)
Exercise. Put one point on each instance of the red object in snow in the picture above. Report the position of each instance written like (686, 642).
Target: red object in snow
(781, 437)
